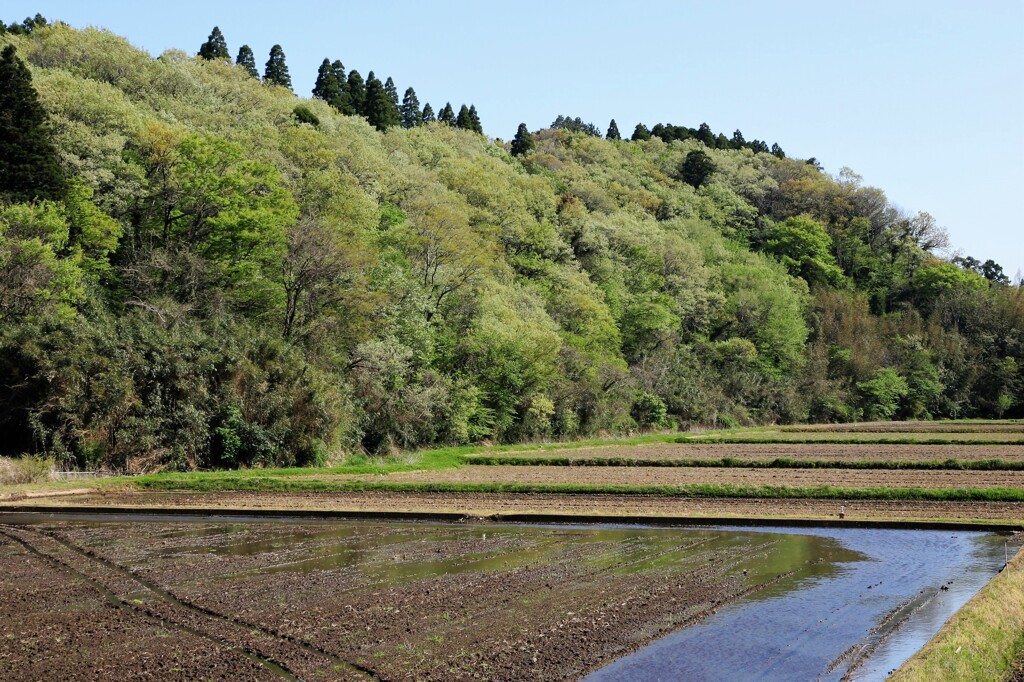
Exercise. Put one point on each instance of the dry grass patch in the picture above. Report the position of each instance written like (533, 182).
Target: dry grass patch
(27, 469)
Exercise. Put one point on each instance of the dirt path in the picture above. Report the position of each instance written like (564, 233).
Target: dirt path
(484, 504)
(599, 475)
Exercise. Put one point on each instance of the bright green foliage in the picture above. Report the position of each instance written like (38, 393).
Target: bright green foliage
(215, 47)
(883, 393)
(522, 143)
(276, 71)
(247, 60)
(223, 282)
(613, 131)
(29, 165)
(804, 247)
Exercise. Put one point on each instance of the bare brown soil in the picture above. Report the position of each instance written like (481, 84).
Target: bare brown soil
(797, 451)
(183, 600)
(874, 435)
(487, 504)
(913, 427)
(599, 475)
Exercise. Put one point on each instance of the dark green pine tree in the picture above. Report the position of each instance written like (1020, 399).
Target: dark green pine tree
(463, 120)
(522, 143)
(411, 114)
(641, 132)
(613, 131)
(356, 94)
(379, 107)
(395, 113)
(428, 113)
(474, 120)
(737, 141)
(247, 60)
(327, 86)
(29, 164)
(215, 47)
(276, 72)
(697, 168)
(341, 102)
(447, 115)
(777, 151)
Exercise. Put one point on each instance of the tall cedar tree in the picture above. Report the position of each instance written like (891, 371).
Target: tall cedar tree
(474, 120)
(641, 132)
(29, 165)
(247, 60)
(356, 93)
(327, 86)
(26, 27)
(395, 113)
(341, 102)
(522, 143)
(464, 121)
(276, 72)
(215, 47)
(428, 113)
(697, 168)
(447, 115)
(613, 131)
(380, 110)
(411, 114)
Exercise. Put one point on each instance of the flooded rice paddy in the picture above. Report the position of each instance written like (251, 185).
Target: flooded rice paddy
(264, 599)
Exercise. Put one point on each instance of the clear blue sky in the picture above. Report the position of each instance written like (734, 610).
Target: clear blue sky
(923, 98)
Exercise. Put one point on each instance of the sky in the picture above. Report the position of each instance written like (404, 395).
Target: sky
(922, 98)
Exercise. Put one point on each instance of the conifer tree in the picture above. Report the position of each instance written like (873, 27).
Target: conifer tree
(394, 109)
(29, 164)
(613, 131)
(428, 113)
(737, 141)
(777, 151)
(276, 72)
(356, 94)
(341, 100)
(411, 114)
(327, 86)
(641, 132)
(463, 120)
(380, 111)
(215, 47)
(447, 115)
(247, 60)
(522, 143)
(474, 120)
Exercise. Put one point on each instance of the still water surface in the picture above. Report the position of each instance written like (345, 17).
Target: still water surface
(875, 608)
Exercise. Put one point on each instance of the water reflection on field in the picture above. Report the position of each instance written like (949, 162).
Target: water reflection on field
(859, 619)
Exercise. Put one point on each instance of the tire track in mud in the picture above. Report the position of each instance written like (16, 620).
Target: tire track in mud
(280, 653)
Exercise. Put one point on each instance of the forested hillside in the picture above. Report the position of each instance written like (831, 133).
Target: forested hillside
(199, 269)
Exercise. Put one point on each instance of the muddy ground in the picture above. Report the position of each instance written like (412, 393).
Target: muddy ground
(175, 600)
(880, 434)
(486, 504)
(642, 475)
(914, 427)
(794, 451)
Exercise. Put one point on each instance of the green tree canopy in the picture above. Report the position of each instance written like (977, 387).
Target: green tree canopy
(523, 142)
(697, 168)
(276, 72)
(215, 47)
(804, 246)
(641, 132)
(613, 131)
(247, 60)
(428, 113)
(29, 164)
(411, 114)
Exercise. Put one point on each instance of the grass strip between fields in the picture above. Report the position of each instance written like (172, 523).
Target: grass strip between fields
(187, 482)
(734, 462)
(982, 640)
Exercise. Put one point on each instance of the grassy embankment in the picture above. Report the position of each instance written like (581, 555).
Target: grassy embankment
(983, 642)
